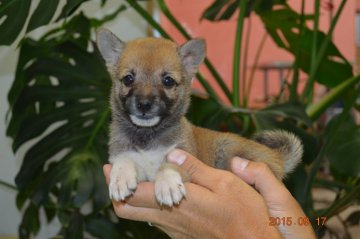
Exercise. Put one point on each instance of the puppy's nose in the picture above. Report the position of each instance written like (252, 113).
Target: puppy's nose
(144, 105)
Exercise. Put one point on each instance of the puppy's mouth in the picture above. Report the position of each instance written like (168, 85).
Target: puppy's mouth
(144, 121)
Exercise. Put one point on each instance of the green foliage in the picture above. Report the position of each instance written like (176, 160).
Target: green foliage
(59, 109)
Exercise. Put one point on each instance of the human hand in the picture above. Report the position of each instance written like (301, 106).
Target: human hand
(279, 200)
(217, 205)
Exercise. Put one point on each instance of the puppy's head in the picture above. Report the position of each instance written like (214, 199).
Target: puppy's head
(151, 77)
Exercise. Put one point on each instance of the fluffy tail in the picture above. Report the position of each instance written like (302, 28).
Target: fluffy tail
(286, 143)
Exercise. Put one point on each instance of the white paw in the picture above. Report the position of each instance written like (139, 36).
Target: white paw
(169, 188)
(123, 181)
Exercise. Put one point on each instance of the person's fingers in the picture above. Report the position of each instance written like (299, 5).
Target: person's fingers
(127, 211)
(200, 173)
(260, 176)
(144, 195)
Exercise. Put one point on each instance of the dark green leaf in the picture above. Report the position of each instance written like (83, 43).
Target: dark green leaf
(70, 7)
(345, 154)
(103, 228)
(203, 111)
(30, 223)
(101, 193)
(283, 26)
(295, 111)
(15, 13)
(42, 14)
(75, 229)
(225, 9)
(295, 182)
(50, 211)
(229, 11)
(213, 10)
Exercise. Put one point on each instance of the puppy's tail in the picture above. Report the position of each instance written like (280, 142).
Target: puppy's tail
(286, 143)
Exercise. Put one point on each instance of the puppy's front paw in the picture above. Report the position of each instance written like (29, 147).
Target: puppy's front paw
(123, 181)
(169, 188)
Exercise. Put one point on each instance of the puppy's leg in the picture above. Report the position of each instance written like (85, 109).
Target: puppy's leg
(123, 178)
(169, 186)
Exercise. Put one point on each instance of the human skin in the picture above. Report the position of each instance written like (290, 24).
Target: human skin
(218, 203)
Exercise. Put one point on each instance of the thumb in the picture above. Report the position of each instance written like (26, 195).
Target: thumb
(260, 176)
(199, 172)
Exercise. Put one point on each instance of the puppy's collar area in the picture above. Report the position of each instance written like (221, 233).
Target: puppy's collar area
(143, 122)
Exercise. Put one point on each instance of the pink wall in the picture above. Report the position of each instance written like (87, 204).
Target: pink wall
(220, 39)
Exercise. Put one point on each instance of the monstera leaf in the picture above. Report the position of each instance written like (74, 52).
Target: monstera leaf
(282, 24)
(60, 111)
(59, 102)
(16, 13)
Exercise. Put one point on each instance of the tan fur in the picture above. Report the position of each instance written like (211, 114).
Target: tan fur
(217, 148)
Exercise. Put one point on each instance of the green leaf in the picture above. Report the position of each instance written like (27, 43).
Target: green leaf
(229, 11)
(207, 112)
(295, 181)
(30, 223)
(294, 111)
(60, 98)
(317, 109)
(42, 14)
(213, 10)
(224, 9)
(102, 228)
(75, 229)
(283, 26)
(70, 7)
(15, 13)
(345, 153)
(8, 185)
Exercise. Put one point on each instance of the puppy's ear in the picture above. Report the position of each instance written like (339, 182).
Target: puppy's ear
(109, 46)
(192, 54)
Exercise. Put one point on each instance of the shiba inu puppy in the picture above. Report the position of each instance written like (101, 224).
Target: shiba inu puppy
(150, 95)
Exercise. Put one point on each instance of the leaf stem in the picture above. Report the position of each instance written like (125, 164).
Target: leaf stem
(316, 164)
(100, 123)
(314, 111)
(237, 55)
(341, 203)
(8, 185)
(253, 68)
(244, 67)
(309, 87)
(148, 18)
(295, 79)
(316, 29)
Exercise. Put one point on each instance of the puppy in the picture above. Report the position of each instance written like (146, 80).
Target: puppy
(150, 95)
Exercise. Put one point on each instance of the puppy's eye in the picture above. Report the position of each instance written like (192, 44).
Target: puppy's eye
(168, 82)
(128, 80)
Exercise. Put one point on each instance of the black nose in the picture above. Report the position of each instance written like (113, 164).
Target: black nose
(144, 105)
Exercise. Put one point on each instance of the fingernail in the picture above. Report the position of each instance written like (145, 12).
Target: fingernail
(176, 156)
(239, 163)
